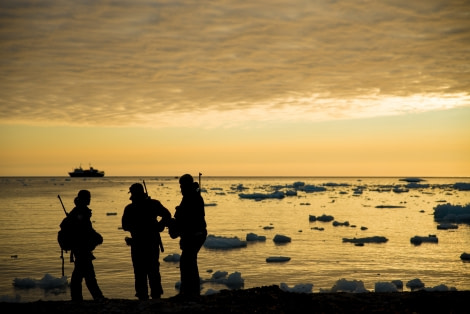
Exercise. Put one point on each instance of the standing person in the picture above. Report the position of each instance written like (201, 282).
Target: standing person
(84, 242)
(140, 219)
(190, 225)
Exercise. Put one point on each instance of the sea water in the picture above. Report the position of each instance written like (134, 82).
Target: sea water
(31, 212)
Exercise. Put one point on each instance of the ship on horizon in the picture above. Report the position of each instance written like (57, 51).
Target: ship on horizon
(91, 172)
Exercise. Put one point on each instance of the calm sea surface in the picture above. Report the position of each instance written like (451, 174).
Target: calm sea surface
(31, 213)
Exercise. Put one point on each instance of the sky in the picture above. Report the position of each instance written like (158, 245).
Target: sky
(235, 88)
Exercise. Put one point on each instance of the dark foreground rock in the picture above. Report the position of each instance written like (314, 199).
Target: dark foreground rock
(265, 300)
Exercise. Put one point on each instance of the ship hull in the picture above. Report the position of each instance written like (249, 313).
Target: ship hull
(86, 175)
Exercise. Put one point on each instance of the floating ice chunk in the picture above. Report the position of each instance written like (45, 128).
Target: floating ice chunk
(385, 287)
(261, 196)
(238, 187)
(343, 285)
(462, 186)
(311, 188)
(219, 275)
(452, 213)
(399, 189)
(254, 237)
(172, 258)
(278, 238)
(277, 259)
(337, 223)
(415, 284)
(24, 283)
(412, 179)
(291, 193)
(322, 218)
(374, 239)
(465, 257)
(417, 240)
(298, 184)
(389, 206)
(446, 226)
(300, 288)
(336, 184)
(217, 242)
(415, 185)
(235, 281)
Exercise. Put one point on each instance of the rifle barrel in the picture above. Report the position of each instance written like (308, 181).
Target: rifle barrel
(63, 207)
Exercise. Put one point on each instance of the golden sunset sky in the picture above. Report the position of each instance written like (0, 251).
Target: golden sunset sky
(229, 87)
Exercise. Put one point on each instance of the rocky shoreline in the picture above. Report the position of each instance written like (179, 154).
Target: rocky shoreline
(270, 299)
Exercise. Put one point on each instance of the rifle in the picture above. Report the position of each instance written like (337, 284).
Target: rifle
(200, 174)
(63, 207)
(146, 193)
(62, 251)
(145, 189)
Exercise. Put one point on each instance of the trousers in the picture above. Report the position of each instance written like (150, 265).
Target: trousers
(145, 260)
(190, 246)
(84, 270)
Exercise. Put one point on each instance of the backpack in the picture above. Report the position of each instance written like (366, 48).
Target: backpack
(65, 236)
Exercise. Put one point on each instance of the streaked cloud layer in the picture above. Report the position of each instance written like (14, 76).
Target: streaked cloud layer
(213, 63)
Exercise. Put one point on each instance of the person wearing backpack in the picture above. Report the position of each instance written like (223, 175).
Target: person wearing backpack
(190, 225)
(84, 241)
(140, 218)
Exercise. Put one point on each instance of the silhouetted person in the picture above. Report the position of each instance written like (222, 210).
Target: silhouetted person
(190, 225)
(140, 219)
(85, 241)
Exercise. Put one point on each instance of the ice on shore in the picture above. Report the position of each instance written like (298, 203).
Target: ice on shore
(46, 282)
(299, 288)
(236, 281)
(232, 281)
(343, 285)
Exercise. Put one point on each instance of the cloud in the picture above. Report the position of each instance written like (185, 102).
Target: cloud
(166, 62)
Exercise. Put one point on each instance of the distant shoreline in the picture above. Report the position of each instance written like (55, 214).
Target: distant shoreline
(238, 176)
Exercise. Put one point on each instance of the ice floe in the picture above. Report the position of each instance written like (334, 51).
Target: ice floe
(219, 242)
(277, 259)
(417, 240)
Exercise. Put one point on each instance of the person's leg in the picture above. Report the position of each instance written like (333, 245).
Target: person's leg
(76, 281)
(155, 280)
(189, 272)
(190, 281)
(91, 282)
(140, 274)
